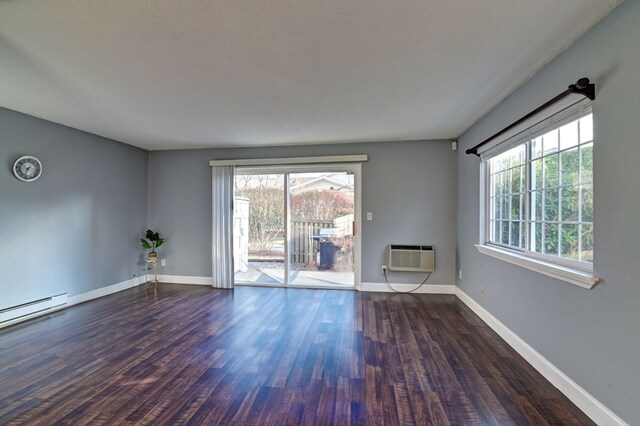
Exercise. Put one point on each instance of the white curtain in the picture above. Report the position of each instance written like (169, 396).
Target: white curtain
(222, 215)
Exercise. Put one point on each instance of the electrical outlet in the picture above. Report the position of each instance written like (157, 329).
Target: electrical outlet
(459, 274)
(369, 215)
(163, 262)
(383, 269)
(482, 289)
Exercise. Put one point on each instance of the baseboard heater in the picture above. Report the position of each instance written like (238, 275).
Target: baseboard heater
(31, 308)
(410, 258)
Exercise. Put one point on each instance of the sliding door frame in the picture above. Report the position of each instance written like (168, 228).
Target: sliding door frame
(356, 169)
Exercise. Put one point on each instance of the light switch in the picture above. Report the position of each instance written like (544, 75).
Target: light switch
(369, 216)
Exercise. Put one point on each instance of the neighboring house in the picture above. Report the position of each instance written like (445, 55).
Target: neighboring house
(342, 182)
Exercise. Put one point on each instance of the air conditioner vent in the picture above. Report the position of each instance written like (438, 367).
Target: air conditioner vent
(412, 258)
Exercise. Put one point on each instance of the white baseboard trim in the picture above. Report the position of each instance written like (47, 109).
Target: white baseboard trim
(185, 279)
(105, 291)
(367, 286)
(593, 408)
(83, 297)
(427, 288)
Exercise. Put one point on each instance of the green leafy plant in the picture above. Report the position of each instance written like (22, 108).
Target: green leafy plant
(153, 241)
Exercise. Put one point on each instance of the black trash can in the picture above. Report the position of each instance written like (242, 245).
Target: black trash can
(328, 252)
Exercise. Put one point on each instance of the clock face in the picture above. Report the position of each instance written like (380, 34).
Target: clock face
(27, 168)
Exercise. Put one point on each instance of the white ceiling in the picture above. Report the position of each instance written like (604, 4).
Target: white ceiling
(190, 74)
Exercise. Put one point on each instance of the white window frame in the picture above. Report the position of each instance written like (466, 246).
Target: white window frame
(574, 272)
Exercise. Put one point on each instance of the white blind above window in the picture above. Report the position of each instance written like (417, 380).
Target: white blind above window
(560, 113)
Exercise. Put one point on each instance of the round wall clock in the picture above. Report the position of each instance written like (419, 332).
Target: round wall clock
(27, 168)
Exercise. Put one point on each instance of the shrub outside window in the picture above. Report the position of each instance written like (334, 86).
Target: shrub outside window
(540, 194)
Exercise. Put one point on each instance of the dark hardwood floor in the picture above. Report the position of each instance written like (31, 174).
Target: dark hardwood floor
(269, 356)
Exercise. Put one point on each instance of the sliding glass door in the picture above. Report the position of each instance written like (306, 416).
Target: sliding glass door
(321, 211)
(259, 228)
(296, 226)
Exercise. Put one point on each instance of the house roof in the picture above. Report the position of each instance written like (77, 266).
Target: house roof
(328, 181)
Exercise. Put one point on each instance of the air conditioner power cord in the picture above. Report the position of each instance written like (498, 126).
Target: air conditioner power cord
(384, 271)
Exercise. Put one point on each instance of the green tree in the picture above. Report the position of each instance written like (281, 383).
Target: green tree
(326, 204)
(266, 216)
(558, 182)
(266, 210)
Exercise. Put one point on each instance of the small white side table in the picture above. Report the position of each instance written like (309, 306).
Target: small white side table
(154, 264)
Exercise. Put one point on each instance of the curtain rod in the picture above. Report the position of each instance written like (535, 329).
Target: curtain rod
(582, 87)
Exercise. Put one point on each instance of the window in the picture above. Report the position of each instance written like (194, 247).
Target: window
(538, 189)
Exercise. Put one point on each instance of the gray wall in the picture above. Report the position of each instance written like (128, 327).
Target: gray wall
(591, 335)
(409, 187)
(75, 229)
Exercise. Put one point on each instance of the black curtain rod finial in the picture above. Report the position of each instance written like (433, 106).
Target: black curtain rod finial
(583, 87)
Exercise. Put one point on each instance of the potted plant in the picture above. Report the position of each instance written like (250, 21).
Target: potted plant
(152, 242)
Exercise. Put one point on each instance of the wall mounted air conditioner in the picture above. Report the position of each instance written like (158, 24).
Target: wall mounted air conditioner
(410, 258)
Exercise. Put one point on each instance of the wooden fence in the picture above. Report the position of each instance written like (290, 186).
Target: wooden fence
(302, 244)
